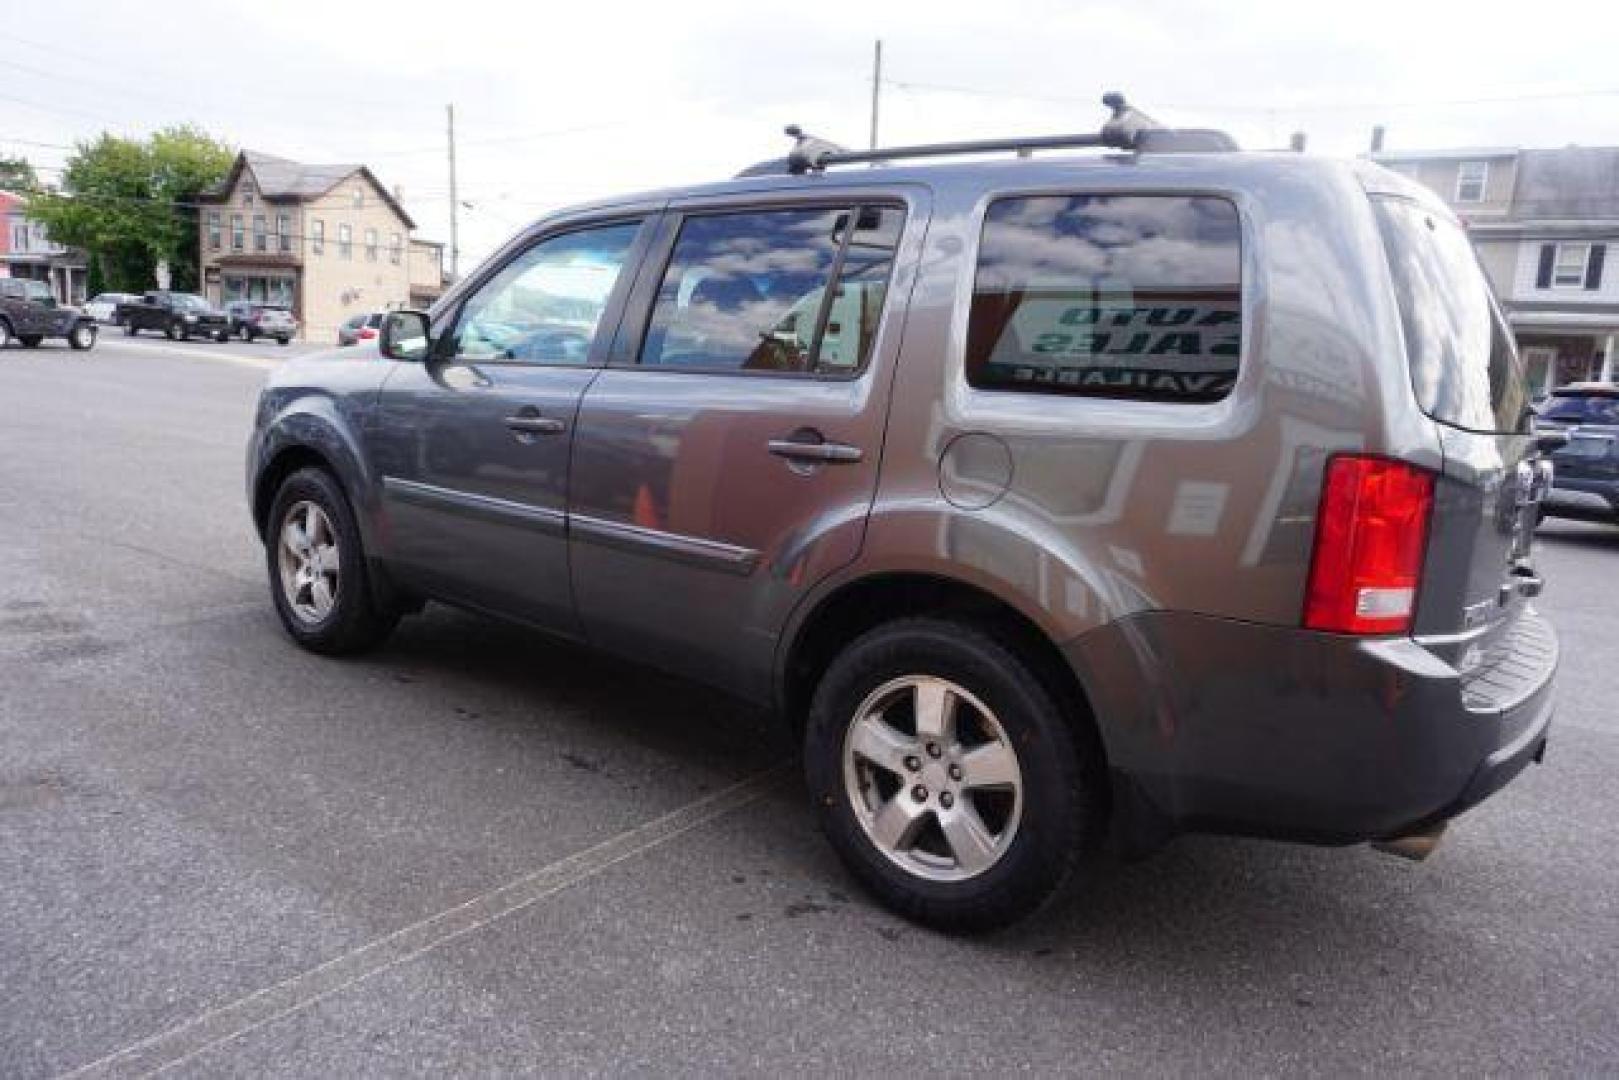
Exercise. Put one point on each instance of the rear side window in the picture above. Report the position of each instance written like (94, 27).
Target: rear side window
(1132, 296)
(747, 292)
(1464, 366)
(1582, 409)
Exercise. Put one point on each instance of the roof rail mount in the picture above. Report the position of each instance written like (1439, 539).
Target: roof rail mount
(1128, 128)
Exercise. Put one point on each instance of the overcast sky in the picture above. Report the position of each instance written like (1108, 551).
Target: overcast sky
(556, 103)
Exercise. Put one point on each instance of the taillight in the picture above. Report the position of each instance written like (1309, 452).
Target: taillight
(367, 333)
(1369, 540)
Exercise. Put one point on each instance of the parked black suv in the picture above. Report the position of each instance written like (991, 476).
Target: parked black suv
(1049, 498)
(180, 316)
(1585, 481)
(29, 312)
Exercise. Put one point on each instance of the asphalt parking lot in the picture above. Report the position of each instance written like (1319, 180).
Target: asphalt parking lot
(480, 851)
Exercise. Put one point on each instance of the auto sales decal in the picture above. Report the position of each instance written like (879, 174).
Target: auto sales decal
(1178, 345)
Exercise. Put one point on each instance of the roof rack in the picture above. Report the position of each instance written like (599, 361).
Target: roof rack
(1127, 129)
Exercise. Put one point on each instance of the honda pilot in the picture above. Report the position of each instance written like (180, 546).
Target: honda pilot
(1057, 500)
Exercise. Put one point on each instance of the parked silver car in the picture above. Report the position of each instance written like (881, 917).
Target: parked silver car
(1051, 499)
(103, 307)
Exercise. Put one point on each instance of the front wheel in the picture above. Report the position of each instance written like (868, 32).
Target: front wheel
(130, 329)
(81, 337)
(5, 333)
(222, 336)
(30, 341)
(282, 340)
(176, 332)
(247, 335)
(947, 776)
(317, 568)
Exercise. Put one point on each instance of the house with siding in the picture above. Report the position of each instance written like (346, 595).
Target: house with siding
(27, 251)
(328, 241)
(1543, 223)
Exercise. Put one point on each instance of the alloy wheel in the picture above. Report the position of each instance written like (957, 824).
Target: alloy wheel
(932, 778)
(309, 562)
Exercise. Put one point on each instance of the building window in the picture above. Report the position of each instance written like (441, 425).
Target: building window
(345, 242)
(237, 237)
(283, 232)
(1080, 295)
(370, 245)
(258, 233)
(247, 193)
(1568, 269)
(394, 248)
(359, 198)
(1470, 180)
(317, 236)
(213, 230)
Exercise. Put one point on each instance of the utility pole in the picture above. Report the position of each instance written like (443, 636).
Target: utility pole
(876, 88)
(455, 202)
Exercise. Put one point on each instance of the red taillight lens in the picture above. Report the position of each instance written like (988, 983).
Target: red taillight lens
(367, 333)
(1369, 542)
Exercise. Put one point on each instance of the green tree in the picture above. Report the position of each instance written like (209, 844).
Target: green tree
(17, 175)
(131, 203)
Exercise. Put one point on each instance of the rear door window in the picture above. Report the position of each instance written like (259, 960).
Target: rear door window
(1465, 367)
(747, 291)
(1132, 296)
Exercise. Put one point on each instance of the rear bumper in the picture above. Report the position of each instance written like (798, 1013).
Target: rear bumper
(1213, 725)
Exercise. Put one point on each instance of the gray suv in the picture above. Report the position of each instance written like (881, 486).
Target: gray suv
(1057, 501)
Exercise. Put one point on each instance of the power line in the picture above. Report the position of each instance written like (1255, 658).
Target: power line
(913, 85)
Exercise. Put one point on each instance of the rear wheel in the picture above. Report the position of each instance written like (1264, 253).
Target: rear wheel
(5, 333)
(317, 568)
(247, 335)
(222, 336)
(130, 329)
(282, 340)
(30, 341)
(176, 332)
(947, 776)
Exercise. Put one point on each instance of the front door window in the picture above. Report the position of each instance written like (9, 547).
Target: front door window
(544, 306)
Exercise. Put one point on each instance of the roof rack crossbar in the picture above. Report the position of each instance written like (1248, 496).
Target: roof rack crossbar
(1128, 128)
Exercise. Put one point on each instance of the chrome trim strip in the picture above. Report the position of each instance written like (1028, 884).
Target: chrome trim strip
(500, 511)
(711, 554)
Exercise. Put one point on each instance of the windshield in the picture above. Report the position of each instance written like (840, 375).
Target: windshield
(1464, 365)
(1582, 409)
(190, 302)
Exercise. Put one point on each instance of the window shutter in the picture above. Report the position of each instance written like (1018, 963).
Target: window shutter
(1593, 267)
(1543, 276)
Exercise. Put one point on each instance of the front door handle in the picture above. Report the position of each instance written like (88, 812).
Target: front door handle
(835, 453)
(535, 424)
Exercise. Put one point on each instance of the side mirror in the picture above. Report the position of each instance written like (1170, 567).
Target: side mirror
(405, 335)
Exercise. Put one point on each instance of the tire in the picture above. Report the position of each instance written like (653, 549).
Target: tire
(1039, 828)
(30, 341)
(130, 329)
(282, 340)
(352, 622)
(222, 336)
(5, 333)
(175, 332)
(82, 337)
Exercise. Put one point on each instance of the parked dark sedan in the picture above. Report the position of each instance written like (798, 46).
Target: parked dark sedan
(1585, 481)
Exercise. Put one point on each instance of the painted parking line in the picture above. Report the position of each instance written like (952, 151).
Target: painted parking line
(191, 352)
(230, 1021)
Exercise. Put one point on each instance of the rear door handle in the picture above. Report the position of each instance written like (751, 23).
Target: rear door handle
(535, 425)
(835, 453)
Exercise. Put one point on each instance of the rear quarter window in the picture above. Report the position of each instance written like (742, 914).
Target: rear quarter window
(1465, 368)
(1123, 296)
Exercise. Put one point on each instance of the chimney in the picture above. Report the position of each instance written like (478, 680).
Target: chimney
(1377, 139)
(1296, 143)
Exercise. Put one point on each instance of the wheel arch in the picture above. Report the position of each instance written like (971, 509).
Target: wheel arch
(854, 607)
